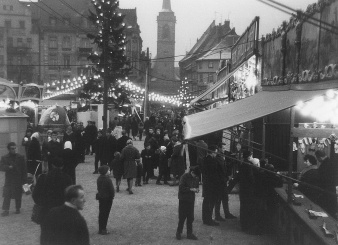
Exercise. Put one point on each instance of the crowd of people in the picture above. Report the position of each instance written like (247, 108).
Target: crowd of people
(187, 165)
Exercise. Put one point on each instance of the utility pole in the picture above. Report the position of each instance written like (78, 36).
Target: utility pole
(146, 99)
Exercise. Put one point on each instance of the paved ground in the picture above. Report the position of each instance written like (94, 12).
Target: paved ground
(149, 216)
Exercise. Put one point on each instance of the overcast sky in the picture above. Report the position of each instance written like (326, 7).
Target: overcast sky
(194, 17)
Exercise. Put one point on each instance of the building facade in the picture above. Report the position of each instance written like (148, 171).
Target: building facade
(18, 43)
(200, 64)
(49, 40)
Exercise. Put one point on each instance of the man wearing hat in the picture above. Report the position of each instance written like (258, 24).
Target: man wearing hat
(188, 186)
(129, 156)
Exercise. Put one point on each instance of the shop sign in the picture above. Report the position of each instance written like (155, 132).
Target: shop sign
(246, 45)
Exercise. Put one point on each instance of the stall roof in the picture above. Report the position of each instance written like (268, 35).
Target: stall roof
(5, 114)
(245, 110)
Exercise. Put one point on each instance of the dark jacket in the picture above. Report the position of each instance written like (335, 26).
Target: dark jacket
(187, 181)
(122, 142)
(109, 148)
(54, 148)
(246, 181)
(49, 189)
(15, 177)
(70, 163)
(64, 225)
(98, 146)
(105, 187)
(34, 150)
(212, 181)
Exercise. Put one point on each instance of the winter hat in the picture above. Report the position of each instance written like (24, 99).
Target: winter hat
(163, 148)
(68, 145)
(103, 169)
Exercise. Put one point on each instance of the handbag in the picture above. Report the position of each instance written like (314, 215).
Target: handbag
(38, 213)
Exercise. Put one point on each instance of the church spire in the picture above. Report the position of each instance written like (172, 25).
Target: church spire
(166, 5)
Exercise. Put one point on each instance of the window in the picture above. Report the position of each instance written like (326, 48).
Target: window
(211, 78)
(8, 23)
(10, 42)
(66, 19)
(19, 58)
(211, 64)
(4, 7)
(29, 42)
(66, 43)
(22, 24)
(53, 42)
(53, 61)
(66, 61)
(201, 78)
(11, 8)
(52, 21)
(19, 42)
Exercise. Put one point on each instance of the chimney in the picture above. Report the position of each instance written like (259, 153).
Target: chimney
(227, 24)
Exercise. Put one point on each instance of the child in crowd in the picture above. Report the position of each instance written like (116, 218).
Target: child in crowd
(105, 196)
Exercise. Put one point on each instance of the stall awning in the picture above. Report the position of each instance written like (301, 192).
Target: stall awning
(212, 88)
(245, 110)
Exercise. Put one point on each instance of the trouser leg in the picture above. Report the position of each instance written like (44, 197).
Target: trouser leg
(96, 163)
(182, 215)
(18, 202)
(104, 210)
(190, 216)
(6, 203)
(218, 207)
(225, 203)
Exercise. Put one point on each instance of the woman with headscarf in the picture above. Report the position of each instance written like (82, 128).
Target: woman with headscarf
(34, 155)
(69, 161)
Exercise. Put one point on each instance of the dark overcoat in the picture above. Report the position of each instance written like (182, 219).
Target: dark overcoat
(15, 177)
(177, 161)
(129, 156)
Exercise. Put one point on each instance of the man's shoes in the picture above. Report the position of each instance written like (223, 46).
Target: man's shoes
(130, 192)
(17, 211)
(5, 213)
(95, 172)
(158, 183)
(192, 237)
(117, 189)
(127, 189)
(211, 223)
(104, 232)
(230, 216)
(178, 236)
(139, 185)
(215, 223)
(166, 182)
(219, 218)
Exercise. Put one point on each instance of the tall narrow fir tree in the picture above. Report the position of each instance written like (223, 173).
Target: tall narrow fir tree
(111, 63)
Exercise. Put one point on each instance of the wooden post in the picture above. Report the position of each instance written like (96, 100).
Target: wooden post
(263, 137)
(292, 125)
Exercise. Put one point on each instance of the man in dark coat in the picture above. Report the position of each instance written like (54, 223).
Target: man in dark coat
(14, 165)
(98, 149)
(327, 181)
(64, 224)
(212, 186)
(223, 197)
(54, 148)
(122, 141)
(110, 147)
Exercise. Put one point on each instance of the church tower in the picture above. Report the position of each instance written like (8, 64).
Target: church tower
(166, 21)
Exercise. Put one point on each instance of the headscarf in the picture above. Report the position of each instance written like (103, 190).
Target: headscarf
(68, 145)
(35, 135)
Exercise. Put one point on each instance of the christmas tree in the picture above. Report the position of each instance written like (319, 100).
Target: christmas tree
(111, 64)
